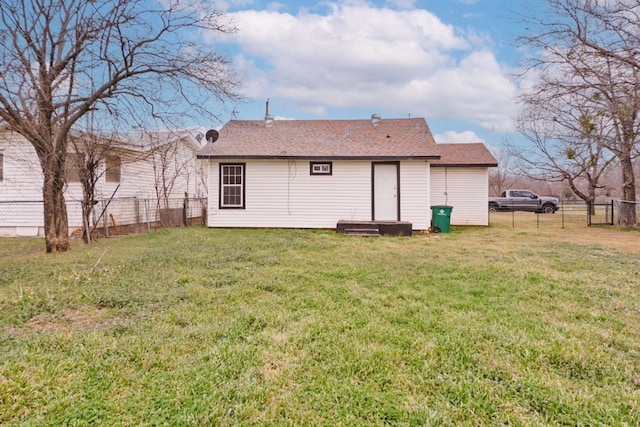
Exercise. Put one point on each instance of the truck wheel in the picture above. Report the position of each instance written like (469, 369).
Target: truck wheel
(493, 207)
(548, 209)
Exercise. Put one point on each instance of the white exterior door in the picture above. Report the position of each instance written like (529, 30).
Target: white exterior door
(385, 192)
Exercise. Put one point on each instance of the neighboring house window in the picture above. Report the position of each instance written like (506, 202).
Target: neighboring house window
(321, 168)
(1, 166)
(112, 173)
(73, 166)
(232, 185)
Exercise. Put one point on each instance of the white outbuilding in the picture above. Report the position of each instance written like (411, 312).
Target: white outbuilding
(317, 173)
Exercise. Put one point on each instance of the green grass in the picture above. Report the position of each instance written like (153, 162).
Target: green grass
(288, 327)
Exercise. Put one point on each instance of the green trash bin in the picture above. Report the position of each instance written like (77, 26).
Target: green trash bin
(441, 218)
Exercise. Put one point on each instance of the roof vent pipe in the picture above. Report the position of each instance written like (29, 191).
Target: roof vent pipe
(375, 120)
(268, 120)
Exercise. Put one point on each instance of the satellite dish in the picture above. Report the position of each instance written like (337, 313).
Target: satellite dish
(212, 135)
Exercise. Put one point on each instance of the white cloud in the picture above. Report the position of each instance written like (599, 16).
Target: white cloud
(356, 55)
(402, 4)
(451, 136)
(477, 89)
(275, 6)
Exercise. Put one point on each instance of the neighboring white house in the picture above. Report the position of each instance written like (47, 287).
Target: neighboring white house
(314, 173)
(156, 167)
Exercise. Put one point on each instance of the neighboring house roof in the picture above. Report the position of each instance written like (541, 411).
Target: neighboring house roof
(324, 139)
(149, 141)
(469, 155)
(143, 142)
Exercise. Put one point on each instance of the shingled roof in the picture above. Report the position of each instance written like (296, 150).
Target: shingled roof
(469, 155)
(383, 139)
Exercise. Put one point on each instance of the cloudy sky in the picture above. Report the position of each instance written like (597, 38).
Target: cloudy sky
(449, 61)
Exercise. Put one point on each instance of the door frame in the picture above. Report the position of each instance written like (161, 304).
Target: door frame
(373, 188)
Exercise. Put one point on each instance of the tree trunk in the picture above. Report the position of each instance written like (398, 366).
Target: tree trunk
(627, 211)
(56, 224)
(590, 196)
(86, 217)
(88, 201)
(592, 200)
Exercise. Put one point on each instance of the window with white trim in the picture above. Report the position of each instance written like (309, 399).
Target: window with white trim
(320, 168)
(232, 185)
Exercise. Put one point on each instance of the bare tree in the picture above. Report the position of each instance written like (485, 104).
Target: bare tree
(567, 140)
(172, 164)
(93, 158)
(133, 60)
(502, 177)
(85, 167)
(587, 51)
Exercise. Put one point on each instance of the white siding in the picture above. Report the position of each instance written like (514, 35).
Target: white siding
(22, 176)
(182, 171)
(23, 183)
(464, 188)
(22, 180)
(283, 194)
(414, 197)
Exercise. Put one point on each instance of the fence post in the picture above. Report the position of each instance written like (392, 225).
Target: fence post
(136, 202)
(146, 213)
(185, 210)
(105, 222)
(612, 211)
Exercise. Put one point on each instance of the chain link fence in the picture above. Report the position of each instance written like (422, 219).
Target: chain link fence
(111, 217)
(569, 214)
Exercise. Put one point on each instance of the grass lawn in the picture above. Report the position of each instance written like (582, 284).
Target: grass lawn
(481, 326)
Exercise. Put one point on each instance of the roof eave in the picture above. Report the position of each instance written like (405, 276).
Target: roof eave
(464, 165)
(283, 157)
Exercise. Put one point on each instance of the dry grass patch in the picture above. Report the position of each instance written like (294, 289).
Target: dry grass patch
(80, 319)
(613, 238)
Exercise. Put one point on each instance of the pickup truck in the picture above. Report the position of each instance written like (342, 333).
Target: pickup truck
(523, 200)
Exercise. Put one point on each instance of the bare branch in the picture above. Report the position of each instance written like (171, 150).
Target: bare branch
(135, 60)
(582, 111)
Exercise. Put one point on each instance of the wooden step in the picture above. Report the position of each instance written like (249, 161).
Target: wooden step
(382, 228)
(363, 232)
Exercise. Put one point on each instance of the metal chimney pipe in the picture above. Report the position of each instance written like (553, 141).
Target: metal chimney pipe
(268, 120)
